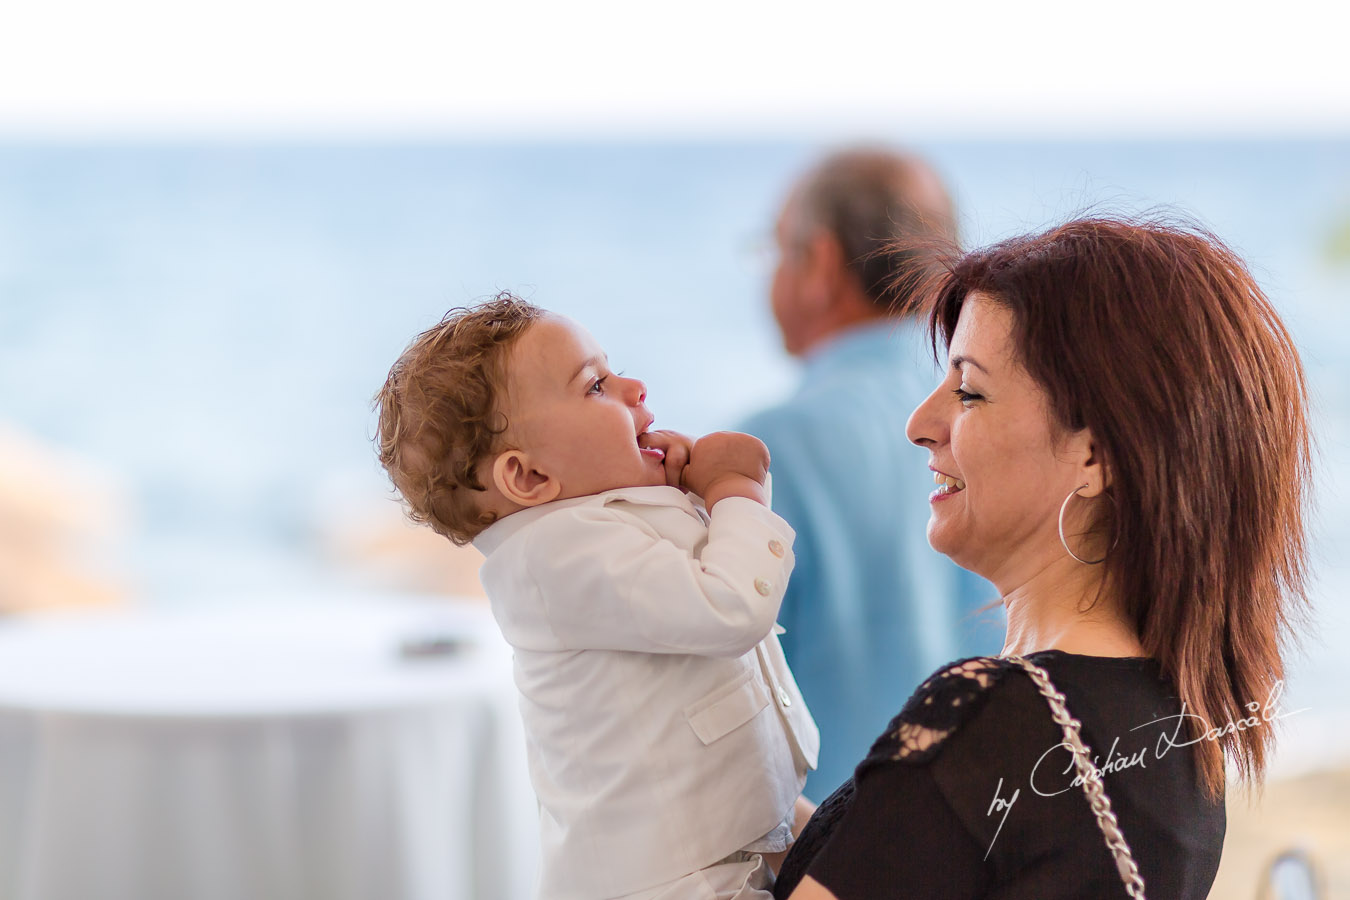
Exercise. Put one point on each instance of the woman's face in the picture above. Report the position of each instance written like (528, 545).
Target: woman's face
(987, 428)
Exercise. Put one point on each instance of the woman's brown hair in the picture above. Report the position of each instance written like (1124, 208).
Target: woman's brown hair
(1156, 337)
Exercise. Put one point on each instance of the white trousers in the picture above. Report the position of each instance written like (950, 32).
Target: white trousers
(741, 876)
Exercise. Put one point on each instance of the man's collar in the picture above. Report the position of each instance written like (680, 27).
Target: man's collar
(889, 337)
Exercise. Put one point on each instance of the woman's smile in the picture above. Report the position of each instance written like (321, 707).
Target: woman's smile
(947, 485)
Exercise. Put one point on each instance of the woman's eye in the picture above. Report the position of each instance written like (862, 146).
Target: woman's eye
(965, 396)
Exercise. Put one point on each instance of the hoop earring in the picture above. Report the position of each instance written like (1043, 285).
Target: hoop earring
(1065, 505)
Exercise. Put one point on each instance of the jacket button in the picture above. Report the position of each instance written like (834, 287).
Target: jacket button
(783, 697)
(776, 548)
(762, 585)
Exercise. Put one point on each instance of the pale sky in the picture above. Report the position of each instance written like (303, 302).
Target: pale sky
(697, 68)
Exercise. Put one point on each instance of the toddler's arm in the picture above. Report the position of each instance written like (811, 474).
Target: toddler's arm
(604, 578)
(728, 464)
(716, 466)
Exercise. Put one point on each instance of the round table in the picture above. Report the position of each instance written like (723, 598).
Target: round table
(333, 751)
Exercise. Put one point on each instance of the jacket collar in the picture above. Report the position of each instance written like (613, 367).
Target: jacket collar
(501, 530)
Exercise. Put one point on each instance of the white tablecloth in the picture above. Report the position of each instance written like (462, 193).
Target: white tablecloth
(263, 754)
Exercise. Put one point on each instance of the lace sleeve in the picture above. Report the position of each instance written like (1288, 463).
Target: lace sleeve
(937, 708)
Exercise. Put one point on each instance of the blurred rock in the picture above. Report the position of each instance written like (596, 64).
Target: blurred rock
(61, 519)
(361, 527)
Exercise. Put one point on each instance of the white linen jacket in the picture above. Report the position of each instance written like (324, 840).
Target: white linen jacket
(664, 730)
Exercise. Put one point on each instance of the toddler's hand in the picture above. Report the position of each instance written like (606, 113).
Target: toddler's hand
(675, 446)
(728, 464)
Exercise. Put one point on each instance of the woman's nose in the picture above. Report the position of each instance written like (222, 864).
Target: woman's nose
(926, 426)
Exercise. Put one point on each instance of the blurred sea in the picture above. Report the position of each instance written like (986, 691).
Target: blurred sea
(209, 322)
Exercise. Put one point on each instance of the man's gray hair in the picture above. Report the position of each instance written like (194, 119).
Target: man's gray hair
(887, 210)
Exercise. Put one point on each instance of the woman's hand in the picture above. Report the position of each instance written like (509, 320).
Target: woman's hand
(802, 812)
(810, 889)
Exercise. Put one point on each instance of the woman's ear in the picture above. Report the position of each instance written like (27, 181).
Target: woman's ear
(1092, 467)
(519, 482)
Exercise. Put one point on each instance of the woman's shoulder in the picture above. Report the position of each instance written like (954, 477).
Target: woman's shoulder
(957, 692)
(938, 708)
(980, 736)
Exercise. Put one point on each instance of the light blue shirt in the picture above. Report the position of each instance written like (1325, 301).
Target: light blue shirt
(871, 610)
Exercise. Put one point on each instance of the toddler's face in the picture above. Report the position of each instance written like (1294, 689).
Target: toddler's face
(577, 421)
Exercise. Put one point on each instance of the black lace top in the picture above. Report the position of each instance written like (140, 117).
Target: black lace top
(969, 792)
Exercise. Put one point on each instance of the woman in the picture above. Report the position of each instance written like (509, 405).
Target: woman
(1121, 448)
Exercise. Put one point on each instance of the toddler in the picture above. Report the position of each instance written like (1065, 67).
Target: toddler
(637, 575)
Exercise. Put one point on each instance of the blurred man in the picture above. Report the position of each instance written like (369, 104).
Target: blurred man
(871, 609)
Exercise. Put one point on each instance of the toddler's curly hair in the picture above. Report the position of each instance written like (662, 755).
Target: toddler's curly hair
(439, 413)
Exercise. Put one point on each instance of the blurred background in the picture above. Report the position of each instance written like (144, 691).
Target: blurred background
(220, 226)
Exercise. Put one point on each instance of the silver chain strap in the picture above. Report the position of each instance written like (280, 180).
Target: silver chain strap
(1091, 778)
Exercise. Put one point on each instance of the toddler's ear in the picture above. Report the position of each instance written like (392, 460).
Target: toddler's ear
(519, 482)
